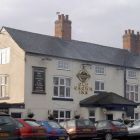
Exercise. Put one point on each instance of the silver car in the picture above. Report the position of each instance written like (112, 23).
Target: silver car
(134, 129)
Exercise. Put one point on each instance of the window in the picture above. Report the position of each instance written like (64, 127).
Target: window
(99, 70)
(132, 74)
(39, 74)
(16, 114)
(4, 55)
(63, 65)
(92, 115)
(61, 115)
(136, 116)
(99, 86)
(3, 86)
(132, 92)
(61, 87)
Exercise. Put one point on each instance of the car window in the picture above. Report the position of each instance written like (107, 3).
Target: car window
(6, 120)
(54, 124)
(117, 123)
(32, 123)
(71, 123)
(81, 123)
(102, 124)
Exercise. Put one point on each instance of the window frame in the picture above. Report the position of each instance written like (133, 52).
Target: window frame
(100, 85)
(4, 55)
(4, 82)
(59, 118)
(132, 92)
(63, 65)
(131, 74)
(99, 70)
(59, 85)
(91, 117)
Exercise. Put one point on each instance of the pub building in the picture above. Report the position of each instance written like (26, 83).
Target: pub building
(64, 78)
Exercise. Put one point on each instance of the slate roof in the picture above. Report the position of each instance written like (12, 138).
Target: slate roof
(51, 46)
(106, 98)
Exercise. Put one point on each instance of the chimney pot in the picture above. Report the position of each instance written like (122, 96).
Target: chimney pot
(132, 31)
(129, 31)
(59, 17)
(125, 31)
(62, 17)
(67, 17)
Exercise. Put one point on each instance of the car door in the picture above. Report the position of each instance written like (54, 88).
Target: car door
(102, 128)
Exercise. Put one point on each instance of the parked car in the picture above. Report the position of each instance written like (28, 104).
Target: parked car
(79, 128)
(108, 129)
(8, 128)
(54, 130)
(30, 130)
(134, 129)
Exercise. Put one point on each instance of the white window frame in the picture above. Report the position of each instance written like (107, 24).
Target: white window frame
(63, 65)
(99, 70)
(132, 74)
(92, 116)
(100, 85)
(132, 92)
(4, 86)
(64, 118)
(59, 86)
(4, 55)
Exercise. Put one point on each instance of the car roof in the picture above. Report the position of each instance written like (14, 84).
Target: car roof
(75, 120)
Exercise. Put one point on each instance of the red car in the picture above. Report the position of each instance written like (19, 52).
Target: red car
(79, 128)
(29, 129)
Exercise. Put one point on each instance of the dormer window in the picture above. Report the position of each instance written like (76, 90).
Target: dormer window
(4, 55)
(64, 65)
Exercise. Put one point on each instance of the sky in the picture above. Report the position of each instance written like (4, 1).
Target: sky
(97, 21)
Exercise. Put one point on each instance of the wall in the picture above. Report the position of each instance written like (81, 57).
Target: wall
(15, 69)
(41, 104)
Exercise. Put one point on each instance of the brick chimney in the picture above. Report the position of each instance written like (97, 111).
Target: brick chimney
(131, 41)
(63, 27)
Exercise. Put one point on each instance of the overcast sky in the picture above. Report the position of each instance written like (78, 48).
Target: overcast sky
(96, 21)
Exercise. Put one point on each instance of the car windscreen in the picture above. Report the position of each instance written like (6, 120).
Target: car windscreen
(32, 123)
(54, 124)
(83, 122)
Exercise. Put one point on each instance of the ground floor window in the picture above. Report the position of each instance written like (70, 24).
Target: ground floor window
(61, 115)
(92, 115)
(16, 114)
(136, 116)
(3, 86)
